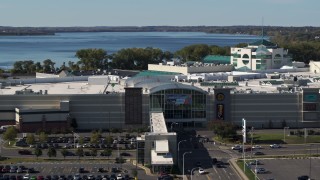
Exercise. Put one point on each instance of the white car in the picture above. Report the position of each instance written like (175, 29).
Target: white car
(275, 146)
(26, 176)
(119, 177)
(201, 171)
(256, 147)
(236, 147)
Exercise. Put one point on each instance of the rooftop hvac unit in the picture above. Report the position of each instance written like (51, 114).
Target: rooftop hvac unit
(45, 91)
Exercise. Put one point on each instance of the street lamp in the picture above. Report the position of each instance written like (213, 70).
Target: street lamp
(284, 133)
(173, 124)
(183, 162)
(192, 171)
(310, 161)
(251, 140)
(179, 148)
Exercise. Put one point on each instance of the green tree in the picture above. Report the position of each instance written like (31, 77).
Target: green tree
(30, 139)
(79, 152)
(43, 137)
(10, 134)
(109, 139)
(92, 59)
(81, 140)
(64, 153)
(52, 152)
(137, 58)
(94, 139)
(94, 153)
(107, 152)
(194, 52)
(48, 66)
(37, 152)
(223, 129)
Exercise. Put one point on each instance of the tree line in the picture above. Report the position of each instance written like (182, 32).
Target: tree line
(130, 58)
(138, 58)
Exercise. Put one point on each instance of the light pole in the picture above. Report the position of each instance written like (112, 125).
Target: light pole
(192, 171)
(183, 162)
(251, 140)
(284, 133)
(310, 160)
(179, 148)
(255, 177)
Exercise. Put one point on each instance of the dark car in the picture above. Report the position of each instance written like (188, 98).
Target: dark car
(219, 164)
(114, 170)
(24, 152)
(258, 153)
(125, 154)
(31, 170)
(81, 170)
(304, 177)
(113, 177)
(214, 160)
(198, 164)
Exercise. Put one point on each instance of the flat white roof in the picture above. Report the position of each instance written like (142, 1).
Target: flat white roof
(157, 123)
(161, 159)
(162, 146)
(76, 87)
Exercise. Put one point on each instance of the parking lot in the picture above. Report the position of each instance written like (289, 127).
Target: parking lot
(67, 170)
(289, 168)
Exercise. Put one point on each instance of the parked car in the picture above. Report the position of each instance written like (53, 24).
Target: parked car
(219, 164)
(24, 152)
(201, 171)
(303, 177)
(260, 170)
(214, 160)
(255, 162)
(275, 146)
(119, 177)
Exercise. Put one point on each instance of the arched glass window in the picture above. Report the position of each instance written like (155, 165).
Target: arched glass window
(245, 56)
(245, 62)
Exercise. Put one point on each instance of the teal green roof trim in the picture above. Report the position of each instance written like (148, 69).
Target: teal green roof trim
(216, 59)
(263, 42)
(155, 73)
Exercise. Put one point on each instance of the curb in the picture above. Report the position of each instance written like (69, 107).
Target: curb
(147, 170)
(238, 170)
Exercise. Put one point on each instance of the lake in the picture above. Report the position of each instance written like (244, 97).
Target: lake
(63, 46)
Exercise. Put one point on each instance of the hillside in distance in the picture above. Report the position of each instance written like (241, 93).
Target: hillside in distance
(252, 30)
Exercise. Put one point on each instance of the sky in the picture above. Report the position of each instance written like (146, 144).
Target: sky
(53, 13)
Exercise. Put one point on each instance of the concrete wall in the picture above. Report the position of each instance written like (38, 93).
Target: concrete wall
(210, 69)
(192, 69)
(177, 69)
(260, 109)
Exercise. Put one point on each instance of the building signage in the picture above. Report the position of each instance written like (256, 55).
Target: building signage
(220, 97)
(220, 112)
(310, 98)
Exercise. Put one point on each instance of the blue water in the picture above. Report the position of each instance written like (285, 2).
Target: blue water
(63, 46)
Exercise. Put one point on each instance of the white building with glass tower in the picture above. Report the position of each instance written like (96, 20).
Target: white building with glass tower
(260, 55)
